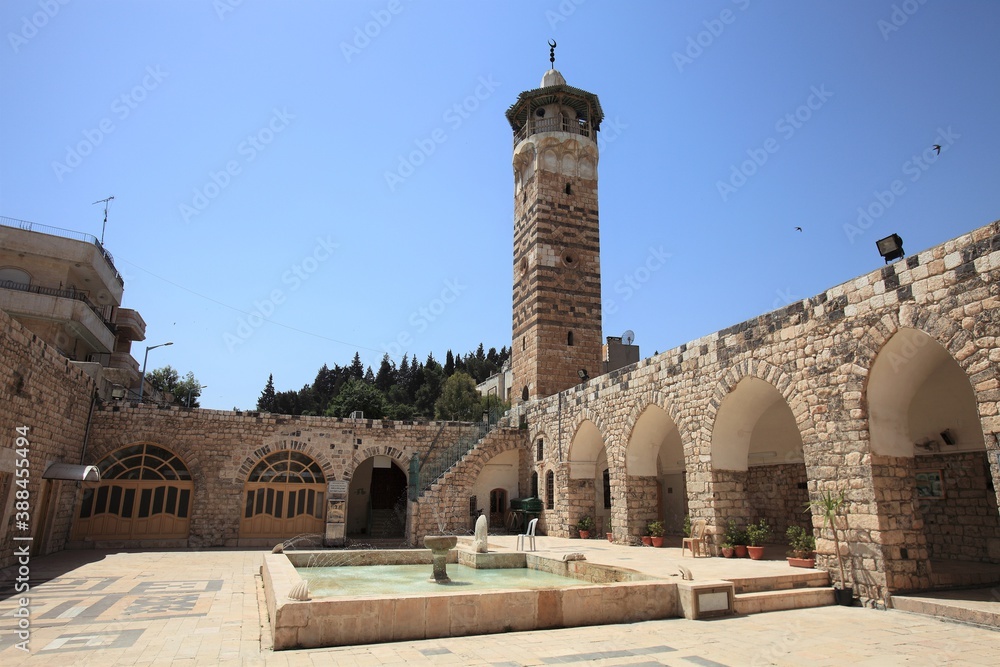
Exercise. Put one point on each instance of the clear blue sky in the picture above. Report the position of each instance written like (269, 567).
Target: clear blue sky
(147, 100)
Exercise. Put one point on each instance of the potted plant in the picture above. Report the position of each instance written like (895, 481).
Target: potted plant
(728, 551)
(656, 530)
(801, 545)
(647, 539)
(829, 506)
(757, 534)
(736, 538)
(585, 525)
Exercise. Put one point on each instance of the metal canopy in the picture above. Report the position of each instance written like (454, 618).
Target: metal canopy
(73, 473)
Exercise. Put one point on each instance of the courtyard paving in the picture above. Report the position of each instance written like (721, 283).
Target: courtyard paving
(204, 608)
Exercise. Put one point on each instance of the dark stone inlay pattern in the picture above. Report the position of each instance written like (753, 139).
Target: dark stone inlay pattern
(704, 662)
(86, 641)
(435, 651)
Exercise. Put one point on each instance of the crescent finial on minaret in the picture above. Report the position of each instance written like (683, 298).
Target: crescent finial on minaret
(552, 53)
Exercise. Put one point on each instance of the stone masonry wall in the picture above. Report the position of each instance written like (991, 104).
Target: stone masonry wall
(964, 525)
(817, 353)
(42, 390)
(220, 448)
(774, 494)
(444, 508)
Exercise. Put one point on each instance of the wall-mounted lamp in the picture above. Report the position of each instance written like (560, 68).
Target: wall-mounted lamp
(948, 438)
(583, 375)
(891, 247)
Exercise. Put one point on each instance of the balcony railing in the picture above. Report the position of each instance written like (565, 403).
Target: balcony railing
(77, 295)
(65, 233)
(554, 124)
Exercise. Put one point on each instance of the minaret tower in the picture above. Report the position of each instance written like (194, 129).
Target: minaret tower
(557, 271)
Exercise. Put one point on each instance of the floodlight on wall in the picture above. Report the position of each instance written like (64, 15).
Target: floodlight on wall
(948, 438)
(891, 247)
(584, 376)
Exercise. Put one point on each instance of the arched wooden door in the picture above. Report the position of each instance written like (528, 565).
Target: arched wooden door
(284, 496)
(144, 493)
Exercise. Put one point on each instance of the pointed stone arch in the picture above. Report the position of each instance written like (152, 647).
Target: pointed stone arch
(649, 398)
(586, 431)
(782, 381)
(654, 469)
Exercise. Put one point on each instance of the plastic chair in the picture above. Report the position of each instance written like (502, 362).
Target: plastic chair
(530, 535)
(696, 543)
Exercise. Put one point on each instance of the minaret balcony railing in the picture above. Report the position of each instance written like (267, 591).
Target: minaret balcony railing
(556, 124)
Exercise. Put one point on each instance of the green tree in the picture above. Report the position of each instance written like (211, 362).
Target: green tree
(185, 390)
(266, 401)
(357, 395)
(459, 400)
(357, 369)
(386, 376)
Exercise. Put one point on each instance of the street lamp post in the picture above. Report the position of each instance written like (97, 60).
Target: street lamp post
(191, 389)
(142, 380)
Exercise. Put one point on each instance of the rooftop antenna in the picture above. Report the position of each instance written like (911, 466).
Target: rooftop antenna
(552, 54)
(106, 202)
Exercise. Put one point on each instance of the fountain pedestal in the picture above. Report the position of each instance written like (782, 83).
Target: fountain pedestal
(440, 545)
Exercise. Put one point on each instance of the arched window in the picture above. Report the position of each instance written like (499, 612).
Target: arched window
(534, 485)
(283, 496)
(145, 493)
(524, 393)
(540, 449)
(13, 275)
(607, 489)
(550, 490)
(569, 338)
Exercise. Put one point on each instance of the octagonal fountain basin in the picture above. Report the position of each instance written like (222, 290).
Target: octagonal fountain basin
(365, 597)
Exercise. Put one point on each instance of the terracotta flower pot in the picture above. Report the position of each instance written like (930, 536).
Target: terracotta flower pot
(801, 562)
(647, 540)
(728, 552)
(657, 542)
(584, 534)
(611, 537)
(741, 551)
(756, 553)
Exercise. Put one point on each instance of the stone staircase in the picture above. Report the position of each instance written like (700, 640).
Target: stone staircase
(811, 588)
(385, 524)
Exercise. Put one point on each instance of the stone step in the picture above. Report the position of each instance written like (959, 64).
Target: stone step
(977, 613)
(803, 578)
(800, 598)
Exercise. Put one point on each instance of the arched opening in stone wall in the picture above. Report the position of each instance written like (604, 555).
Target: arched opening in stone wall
(283, 496)
(587, 462)
(929, 460)
(758, 467)
(145, 493)
(376, 500)
(655, 483)
(495, 486)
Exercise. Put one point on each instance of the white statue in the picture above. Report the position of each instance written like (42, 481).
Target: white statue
(481, 530)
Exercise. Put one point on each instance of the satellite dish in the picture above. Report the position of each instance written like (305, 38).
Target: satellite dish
(628, 337)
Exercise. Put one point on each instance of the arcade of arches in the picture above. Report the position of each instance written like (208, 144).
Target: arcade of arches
(885, 388)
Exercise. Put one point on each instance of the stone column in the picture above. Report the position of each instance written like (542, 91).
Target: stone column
(639, 509)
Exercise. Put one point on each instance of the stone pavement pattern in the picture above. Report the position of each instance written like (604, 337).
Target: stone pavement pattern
(203, 608)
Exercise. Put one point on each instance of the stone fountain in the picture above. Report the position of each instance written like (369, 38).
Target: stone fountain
(440, 545)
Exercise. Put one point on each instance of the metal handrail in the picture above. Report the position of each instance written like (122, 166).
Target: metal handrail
(76, 295)
(554, 124)
(65, 233)
(453, 453)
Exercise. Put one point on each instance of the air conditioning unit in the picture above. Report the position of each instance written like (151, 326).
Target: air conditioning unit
(357, 414)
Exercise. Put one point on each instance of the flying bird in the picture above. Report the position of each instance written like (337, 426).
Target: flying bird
(798, 229)
(937, 147)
